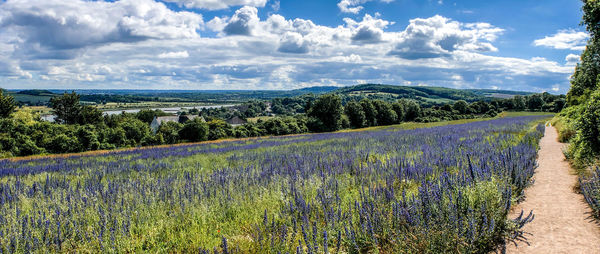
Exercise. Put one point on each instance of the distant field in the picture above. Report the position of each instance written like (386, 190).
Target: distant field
(255, 119)
(332, 192)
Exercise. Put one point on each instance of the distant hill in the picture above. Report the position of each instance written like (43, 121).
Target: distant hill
(422, 93)
(36, 92)
(425, 94)
(317, 89)
(503, 94)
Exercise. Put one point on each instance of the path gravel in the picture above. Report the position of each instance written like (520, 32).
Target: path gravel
(562, 221)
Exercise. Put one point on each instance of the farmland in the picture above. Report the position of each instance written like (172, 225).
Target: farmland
(439, 189)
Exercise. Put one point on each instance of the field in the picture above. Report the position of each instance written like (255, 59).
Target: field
(388, 190)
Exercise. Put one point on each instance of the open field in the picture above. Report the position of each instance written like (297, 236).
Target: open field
(388, 190)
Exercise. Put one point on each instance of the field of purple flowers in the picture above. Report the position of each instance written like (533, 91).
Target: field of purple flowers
(445, 189)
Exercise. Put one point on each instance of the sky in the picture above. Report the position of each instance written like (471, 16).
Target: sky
(525, 45)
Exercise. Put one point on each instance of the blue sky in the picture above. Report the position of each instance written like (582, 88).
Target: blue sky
(270, 44)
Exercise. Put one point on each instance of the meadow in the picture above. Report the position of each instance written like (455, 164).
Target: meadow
(442, 189)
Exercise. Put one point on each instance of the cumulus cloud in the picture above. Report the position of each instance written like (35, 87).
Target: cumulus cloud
(293, 43)
(355, 6)
(58, 29)
(217, 4)
(369, 30)
(439, 37)
(242, 22)
(275, 53)
(572, 59)
(565, 39)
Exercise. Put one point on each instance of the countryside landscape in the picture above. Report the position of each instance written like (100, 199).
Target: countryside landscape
(266, 126)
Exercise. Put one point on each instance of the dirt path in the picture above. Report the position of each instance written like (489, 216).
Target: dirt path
(562, 221)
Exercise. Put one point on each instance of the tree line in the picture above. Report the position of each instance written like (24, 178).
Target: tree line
(79, 128)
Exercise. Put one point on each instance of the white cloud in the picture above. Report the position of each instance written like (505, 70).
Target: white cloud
(274, 53)
(178, 54)
(354, 6)
(572, 59)
(58, 29)
(565, 39)
(218, 4)
(243, 21)
(440, 37)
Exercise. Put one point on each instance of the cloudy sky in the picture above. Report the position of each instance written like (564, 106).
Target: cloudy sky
(528, 45)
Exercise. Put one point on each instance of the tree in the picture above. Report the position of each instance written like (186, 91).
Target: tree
(135, 130)
(170, 132)
(66, 108)
(370, 112)
(218, 129)
(90, 115)
(400, 111)
(412, 110)
(7, 104)
(326, 113)
(461, 106)
(385, 114)
(194, 131)
(519, 103)
(147, 115)
(355, 114)
(535, 102)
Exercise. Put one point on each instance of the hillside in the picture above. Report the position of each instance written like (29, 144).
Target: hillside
(423, 93)
(426, 94)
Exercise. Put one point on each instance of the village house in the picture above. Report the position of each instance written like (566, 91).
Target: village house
(158, 120)
(236, 121)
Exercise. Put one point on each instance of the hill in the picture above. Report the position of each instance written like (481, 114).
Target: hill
(422, 93)
(425, 94)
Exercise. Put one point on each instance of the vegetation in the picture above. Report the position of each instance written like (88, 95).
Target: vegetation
(7, 105)
(388, 190)
(579, 123)
(82, 127)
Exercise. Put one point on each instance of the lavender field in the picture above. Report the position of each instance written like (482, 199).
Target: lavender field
(430, 190)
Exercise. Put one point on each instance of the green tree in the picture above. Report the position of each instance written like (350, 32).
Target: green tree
(400, 111)
(147, 115)
(90, 115)
(385, 114)
(135, 131)
(370, 112)
(519, 103)
(66, 108)
(194, 131)
(461, 106)
(326, 113)
(7, 104)
(88, 138)
(355, 114)
(170, 132)
(535, 102)
(218, 129)
(412, 110)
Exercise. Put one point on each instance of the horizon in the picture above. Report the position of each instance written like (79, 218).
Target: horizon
(272, 45)
(259, 90)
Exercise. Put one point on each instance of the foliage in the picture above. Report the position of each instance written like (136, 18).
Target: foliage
(326, 113)
(66, 108)
(7, 104)
(193, 131)
(356, 114)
